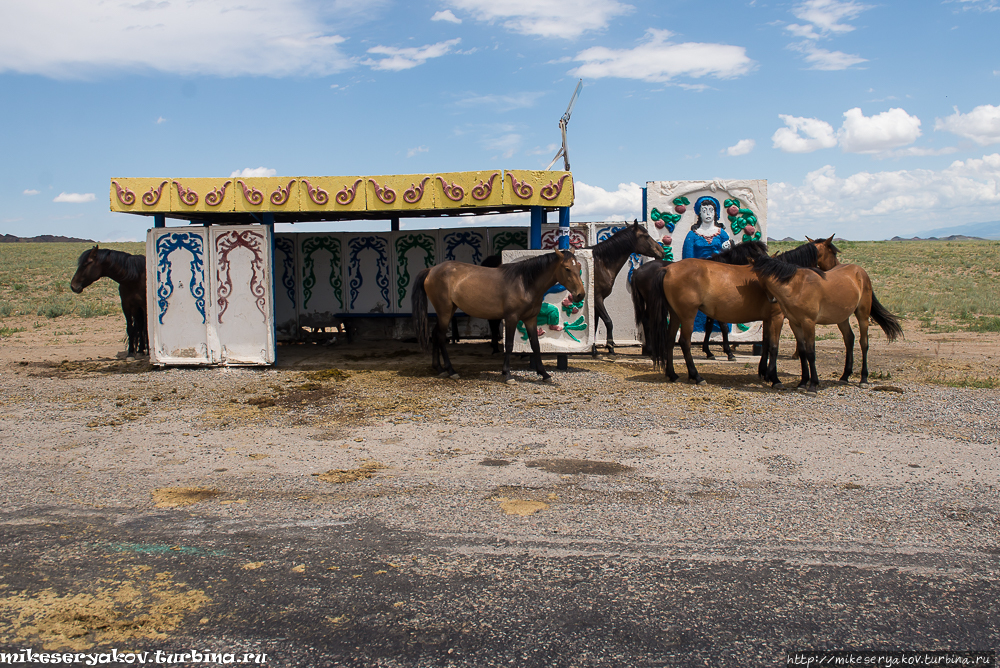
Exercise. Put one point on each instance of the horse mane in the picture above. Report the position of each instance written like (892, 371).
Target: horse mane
(492, 261)
(528, 271)
(132, 267)
(618, 244)
(741, 253)
(779, 270)
(803, 256)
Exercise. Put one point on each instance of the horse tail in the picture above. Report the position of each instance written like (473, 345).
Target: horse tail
(638, 300)
(887, 321)
(419, 301)
(658, 317)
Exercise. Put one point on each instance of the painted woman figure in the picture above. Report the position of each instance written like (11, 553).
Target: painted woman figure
(706, 238)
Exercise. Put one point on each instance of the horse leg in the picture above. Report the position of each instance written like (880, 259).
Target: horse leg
(442, 337)
(863, 332)
(536, 351)
(454, 329)
(772, 335)
(848, 333)
(602, 315)
(687, 329)
(725, 342)
(800, 350)
(672, 327)
(709, 324)
(495, 335)
(510, 330)
(809, 355)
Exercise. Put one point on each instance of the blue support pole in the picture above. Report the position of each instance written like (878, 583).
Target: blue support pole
(159, 220)
(268, 220)
(564, 228)
(644, 205)
(535, 235)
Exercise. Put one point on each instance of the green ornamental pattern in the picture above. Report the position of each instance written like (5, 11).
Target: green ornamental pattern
(405, 244)
(311, 245)
(515, 239)
(742, 219)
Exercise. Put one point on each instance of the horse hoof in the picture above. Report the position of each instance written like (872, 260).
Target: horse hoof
(673, 379)
(732, 357)
(701, 382)
(454, 376)
(810, 393)
(777, 386)
(129, 359)
(443, 374)
(511, 381)
(548, 379)
(863, 386)
(710, 356)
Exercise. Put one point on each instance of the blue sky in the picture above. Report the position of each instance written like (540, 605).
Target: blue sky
(868, 119)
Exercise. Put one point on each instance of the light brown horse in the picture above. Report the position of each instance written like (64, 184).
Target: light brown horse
(724, 292)
(810, 297)
(610, 256)
(510, 292)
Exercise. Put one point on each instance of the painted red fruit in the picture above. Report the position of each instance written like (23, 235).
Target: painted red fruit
(666, 239)
(680, 208)
(733, 210)
(749, 230)
(659, 224)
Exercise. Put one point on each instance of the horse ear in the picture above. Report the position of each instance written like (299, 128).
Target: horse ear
(830, 240)
(812, 241)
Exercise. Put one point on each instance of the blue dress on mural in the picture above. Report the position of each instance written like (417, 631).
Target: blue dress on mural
(698, 246)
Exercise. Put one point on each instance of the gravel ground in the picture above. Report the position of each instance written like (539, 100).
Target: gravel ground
(394, 518)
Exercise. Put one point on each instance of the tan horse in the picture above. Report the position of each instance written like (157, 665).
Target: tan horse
(724, 292)
(511, 292)
(810, 297)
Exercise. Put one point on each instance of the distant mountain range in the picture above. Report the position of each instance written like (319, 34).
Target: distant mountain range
(972, 230)
(11, 239)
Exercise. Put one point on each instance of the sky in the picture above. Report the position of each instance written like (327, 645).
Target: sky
(868, 119)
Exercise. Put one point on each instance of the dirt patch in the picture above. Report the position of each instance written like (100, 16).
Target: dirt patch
(177, 497)
(74, 369)
(521, 507)
(494, 462)
(578, 466)
(340, 476)
(327, 374)
(110, 612)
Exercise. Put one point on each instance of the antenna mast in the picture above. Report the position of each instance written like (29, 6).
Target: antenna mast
(563, 122)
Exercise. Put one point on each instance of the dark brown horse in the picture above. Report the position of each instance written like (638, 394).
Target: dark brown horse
(724, 292)
(810, 297)
(511, 292)
(609, 257)
(130, 273)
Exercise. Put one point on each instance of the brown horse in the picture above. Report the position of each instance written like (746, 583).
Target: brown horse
(510, 292)
(609, 257)
(130, 273)
(810, 297)
(723, 288)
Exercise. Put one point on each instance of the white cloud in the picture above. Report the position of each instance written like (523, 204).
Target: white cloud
(825, 17)
(981, 125)
(30, 192)
(414, 151)
(160, 120)
(407, 57)
(249, 172)
(551, 149)
(881, 132)
(502, 102)
(742, 147)
(660, 60)
(546, 18)
(803, 135)
(822, 59)
(75, 198)
(70, 39)
(446, 15)
(594, 202)
(873, 205)
(508, 144)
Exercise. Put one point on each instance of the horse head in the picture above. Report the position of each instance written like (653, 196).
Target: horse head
(568, 274)
(645, 244)
(826, 252)
(88, 270)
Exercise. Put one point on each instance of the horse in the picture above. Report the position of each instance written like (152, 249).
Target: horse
(492, 261)
(826, 257)
(610, 256)
(810, 297)
(130, 273)
(511, 292)
(724, 292)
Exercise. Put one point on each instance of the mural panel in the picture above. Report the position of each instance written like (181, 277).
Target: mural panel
(507, 238)
(332, 193)
(285, 286)
(400, 192)
(563, 326)
(619, 302)
(458, 189)
(242, 309)
(523, 187)
(134, 195)
(266, 194)
(205, 195)
(178, 289)
(369, 272)
(321, 294)
(705, 217)
(412, 253)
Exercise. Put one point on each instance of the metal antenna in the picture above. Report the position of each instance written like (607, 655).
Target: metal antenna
(563, 122)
